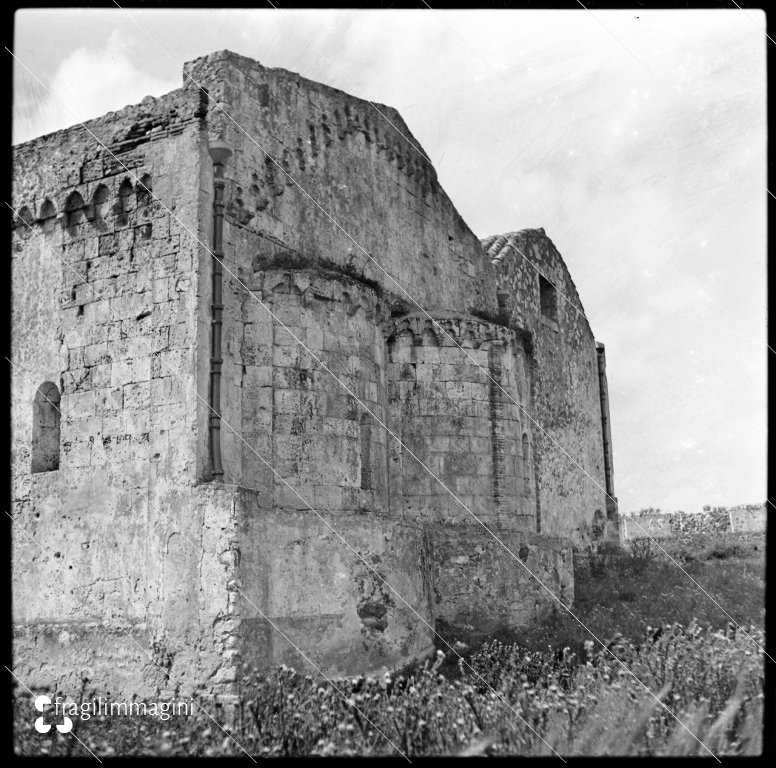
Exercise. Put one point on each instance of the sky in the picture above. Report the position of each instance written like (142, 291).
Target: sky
(637, 139)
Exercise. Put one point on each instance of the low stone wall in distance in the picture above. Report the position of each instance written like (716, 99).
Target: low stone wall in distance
(655, 524)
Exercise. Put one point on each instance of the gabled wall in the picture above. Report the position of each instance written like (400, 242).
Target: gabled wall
(566, 420)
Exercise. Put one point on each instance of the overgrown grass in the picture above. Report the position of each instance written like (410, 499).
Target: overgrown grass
(628, 591)
(677, 686)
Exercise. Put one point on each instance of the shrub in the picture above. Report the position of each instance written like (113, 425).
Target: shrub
(642, 554)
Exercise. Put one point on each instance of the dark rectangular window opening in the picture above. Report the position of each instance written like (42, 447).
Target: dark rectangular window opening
(548, 297)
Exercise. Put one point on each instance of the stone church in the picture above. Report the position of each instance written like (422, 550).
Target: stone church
(270, 393)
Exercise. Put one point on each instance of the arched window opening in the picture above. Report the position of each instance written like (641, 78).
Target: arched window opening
(526, 466)
(45, 428)
(366, 452)
(74, 208)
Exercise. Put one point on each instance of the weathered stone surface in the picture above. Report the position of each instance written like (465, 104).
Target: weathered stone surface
(324, 532)
(741, 519)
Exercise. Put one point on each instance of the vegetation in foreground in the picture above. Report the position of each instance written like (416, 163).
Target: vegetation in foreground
(511, 697)
(650, 584)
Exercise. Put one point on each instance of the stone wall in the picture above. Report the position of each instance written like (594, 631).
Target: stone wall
(749, 518)
(337, 150)
(495, 389)
(318, 237)
(114, 548)
(350, 591)
(453, 418)
(566, 418)
(373, 195)
(479, 588)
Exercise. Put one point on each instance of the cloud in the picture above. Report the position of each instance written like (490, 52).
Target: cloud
(88, 83)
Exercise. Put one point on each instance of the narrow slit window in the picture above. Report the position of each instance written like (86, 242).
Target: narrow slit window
(548, 297)
(45, 428)
(366, 452)
(526, 466)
